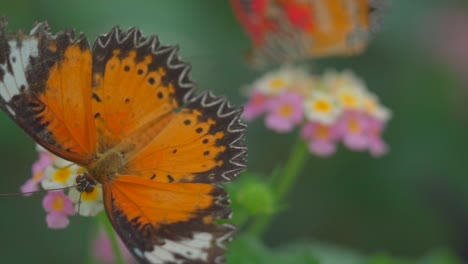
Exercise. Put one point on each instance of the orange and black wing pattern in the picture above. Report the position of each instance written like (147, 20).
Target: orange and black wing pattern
(127, 112)
(137, 85)
(286, 30)
(164, 202)
(45, 88)
(169, 222)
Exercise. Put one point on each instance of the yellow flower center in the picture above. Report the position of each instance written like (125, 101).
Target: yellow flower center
(91, 196)
(277, 84)
(285, 110)
(370, 105)
(322, 106)
(58, 204)
(354, 126)
(349, 101)
(322, 132)
(62, 175)
(38, 176)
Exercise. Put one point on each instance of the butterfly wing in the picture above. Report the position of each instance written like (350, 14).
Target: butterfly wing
(168, 222)
(176, 146)
(202, 143)
(137, 85)
(45, 87)
(144, 107)
(308, 29)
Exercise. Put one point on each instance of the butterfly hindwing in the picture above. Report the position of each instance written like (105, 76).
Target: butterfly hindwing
(45, 88)
(168, 222)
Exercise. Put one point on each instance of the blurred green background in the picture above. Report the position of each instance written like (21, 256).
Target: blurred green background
(412, 201)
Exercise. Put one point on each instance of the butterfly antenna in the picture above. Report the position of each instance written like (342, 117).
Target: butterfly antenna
(34, 192)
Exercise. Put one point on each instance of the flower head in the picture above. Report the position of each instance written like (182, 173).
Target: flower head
(38, 168)
(333, 107)
(274, 83)
(374, 109)
(91, 202)
(257, 105)
(322, 107)
(353, 127)
(52, 172)
(377, 147)
(61, 173)
(285, 112)
(322, 138)
(58, 207)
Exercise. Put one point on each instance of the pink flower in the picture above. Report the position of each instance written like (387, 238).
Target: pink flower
(103, 252)
(256, 106)
(353, 128)
(377, 146)
(38, 168)
(322, 138)
(59, 207)
(285, 112)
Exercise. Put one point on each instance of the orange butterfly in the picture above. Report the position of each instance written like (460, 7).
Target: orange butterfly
(285, 30)
(126, 111)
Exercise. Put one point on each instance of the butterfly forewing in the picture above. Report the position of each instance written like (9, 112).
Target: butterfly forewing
(137, 85)
(45, 88)
(207, 148)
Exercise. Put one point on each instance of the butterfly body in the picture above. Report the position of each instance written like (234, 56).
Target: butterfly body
(107, 166)
(125, 110)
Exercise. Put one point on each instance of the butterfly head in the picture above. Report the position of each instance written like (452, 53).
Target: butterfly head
(84, 183)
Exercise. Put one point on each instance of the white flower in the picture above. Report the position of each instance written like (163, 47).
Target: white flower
(276, 82)
(91, 203)
(350, 97)
(322, 108)
(61, 173)
(373, 108)
(348, 89)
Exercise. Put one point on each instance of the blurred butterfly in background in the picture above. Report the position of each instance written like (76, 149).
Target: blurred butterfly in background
(125, 110)
(287, 30)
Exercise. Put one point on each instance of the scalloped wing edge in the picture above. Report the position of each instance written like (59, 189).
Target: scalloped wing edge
(235, 129)
(173, 60)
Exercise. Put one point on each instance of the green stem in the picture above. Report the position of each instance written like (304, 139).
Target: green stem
(113, 237)
(282, 183)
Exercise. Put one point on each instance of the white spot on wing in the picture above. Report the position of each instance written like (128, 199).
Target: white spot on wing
(28, 50)
(191, 249)
(159, 255)
(138, 252)
(19, 58)
(11, 88)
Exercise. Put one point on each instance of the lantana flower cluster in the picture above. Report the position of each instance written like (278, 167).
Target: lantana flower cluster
(51, 172)
(331, 108)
